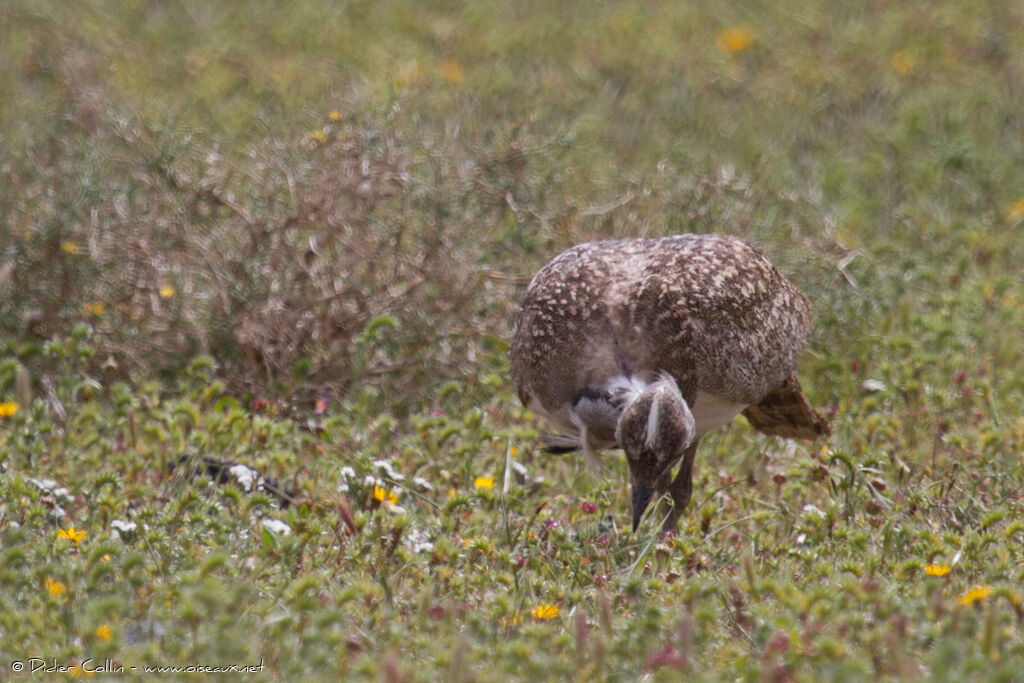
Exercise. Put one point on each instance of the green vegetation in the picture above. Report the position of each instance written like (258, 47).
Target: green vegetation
(292, 236)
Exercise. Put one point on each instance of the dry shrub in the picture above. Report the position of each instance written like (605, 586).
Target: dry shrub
(307, 267)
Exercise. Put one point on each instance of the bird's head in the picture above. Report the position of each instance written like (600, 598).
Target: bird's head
(654, 430)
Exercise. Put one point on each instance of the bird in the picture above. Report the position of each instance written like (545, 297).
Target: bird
(648, 344)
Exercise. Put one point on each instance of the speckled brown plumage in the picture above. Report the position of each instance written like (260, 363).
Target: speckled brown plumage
(709, 310)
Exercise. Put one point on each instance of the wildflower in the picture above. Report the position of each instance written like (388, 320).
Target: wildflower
(588, 507)
(513, 451)
(166, 292)
(125, 530)
(976, 594)
(936, 570)
(382, 495)
(1017, 210)
(69, 247)
(54, 586)
(334, 115)
(71, 534)
(484, 483)
(902, 62)
(735, 39)
(319, 135)
(94, 308)
(511, 621)
(103, 632)
(545, 612)
(276, 527)
(452, 71)
(8, 408)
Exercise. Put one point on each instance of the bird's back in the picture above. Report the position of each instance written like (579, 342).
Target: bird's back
(710, 310)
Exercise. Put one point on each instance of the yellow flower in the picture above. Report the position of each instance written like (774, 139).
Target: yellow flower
(452, 71)
(94, 308)
(166, 292)
(78, 672)
(334, 115)
(513, 451)
(383, 494)
(103, 632)
(1017, 210)
(511, 621)
(936, 570)
(73, 535)
(902, 62)
(319, 135)
(69, 247)
(54, 586)
(976, 594)
(545, 612)
(8, 408)
(735, 39)
(484, 483)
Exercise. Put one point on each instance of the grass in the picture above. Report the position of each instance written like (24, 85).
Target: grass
(293, 238)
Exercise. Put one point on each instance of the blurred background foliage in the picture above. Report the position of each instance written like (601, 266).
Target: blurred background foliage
(324, 195)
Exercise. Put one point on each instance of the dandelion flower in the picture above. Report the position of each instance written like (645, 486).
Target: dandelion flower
(94, 308)
(166, 292)
(484, 483)
(8, 409)
(1017, 210)
(334, 115)
(103, 632)
(976, 594)
(69, 247)
(54, 586)
(71, 534)
(902, 62)
(383, 494)
(936, 570)
(545, 612)
(735, 39)
(452, 71)
(319, 135)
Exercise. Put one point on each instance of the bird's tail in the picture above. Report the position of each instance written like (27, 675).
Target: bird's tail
(561, 443)
(786, 412)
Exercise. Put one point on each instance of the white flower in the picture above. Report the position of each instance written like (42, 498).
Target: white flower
(50, 486)
(276, 526)
(417, 540)
(810, 510)
(388, 469)
(423, 483)
(873, 386)
(245, 476)
(126, 530)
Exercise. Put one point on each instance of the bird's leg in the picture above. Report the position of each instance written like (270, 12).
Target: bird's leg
(681, 488)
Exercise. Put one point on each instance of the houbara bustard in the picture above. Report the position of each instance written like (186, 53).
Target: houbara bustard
(648, 344)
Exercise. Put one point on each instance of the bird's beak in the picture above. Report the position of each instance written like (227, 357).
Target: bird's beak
(641, 499)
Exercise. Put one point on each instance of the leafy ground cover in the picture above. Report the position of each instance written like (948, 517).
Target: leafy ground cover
(291, 238)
